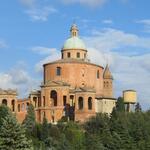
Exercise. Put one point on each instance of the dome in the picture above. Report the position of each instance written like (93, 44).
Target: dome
(74, 43)
(107, 74)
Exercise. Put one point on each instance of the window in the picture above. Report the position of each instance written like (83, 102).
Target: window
(78, 55)
(80, 103)
(53, 96)
(18, 107)
(84, 55)
(97, 74)
(64, 100)
(90, 103)
(68, 54)
(13, 105)
(4, 101)
(58, 71)
(62, 55)
(44, 101)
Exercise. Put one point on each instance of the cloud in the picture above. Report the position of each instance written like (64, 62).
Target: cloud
(43, 50)
(18, 78)
(52, 55)
(38, 10)
(146, 23)
(107, 21)
(118, 48)
(91, 3)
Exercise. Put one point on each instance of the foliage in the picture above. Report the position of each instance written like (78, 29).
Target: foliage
(12, 135)
(29, 121)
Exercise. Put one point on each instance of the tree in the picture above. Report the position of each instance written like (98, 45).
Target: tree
(12, 135)
(45, 129)
(29, 121)
(120, 105)
(138, 107)
(4, 111)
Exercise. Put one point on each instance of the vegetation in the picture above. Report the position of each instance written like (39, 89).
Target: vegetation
(118, 131)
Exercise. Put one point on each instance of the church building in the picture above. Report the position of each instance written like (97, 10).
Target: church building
(73, 87)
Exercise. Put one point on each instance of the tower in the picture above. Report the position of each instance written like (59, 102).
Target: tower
(107, 83)
(130, 98)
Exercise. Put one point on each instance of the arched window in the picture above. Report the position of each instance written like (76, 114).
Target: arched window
(53, 95)
(78, 55)
(35, 101)
(18, 107)
(13, 105)
(68, 55)
(58, 71)
(80, 103)
(97, 74)
(104, 84)
(44, 101)
(64, 100)
(27, 105)
(107, 84)
(4, 101)
(90, 103)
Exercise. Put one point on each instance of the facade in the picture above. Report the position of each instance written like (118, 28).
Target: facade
(73, 87)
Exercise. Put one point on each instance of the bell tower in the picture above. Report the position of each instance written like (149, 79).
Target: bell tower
(107, 83)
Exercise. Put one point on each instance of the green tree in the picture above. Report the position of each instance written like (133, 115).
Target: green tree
(138, 107)
(120, 104)
(12, 135)
(4, 111)
(29, 121)
(45, 129)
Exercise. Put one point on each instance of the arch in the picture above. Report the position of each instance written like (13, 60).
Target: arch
(4, 101)
(78, 55)
(44, 101)
(80, 103)
(27, 105)
(58, 71)
(35, 101)
(97, 74)
(18, 107)
(53, 95)
(107, 84)
(68, 54)
(90, 103)
(13, 105)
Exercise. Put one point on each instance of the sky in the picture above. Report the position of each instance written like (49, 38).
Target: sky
(117, 32)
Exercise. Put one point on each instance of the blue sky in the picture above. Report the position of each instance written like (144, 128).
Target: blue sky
(32, 32)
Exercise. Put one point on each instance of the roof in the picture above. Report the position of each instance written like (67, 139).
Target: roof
(107, 74)
(82, 89)
(55, 83)
(74, 43)
(71, 60)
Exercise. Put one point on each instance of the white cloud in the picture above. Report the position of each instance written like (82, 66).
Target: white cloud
(18, 78)
(38, 10)
(146, 23)
(107, 21)
(43, 50)
(129, 71)
(52, 53)
(91, 3)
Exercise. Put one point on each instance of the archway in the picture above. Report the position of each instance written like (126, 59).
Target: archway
(53, 96)
(90, 103)
(4, 101)
(80, 103)
(13, 105)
